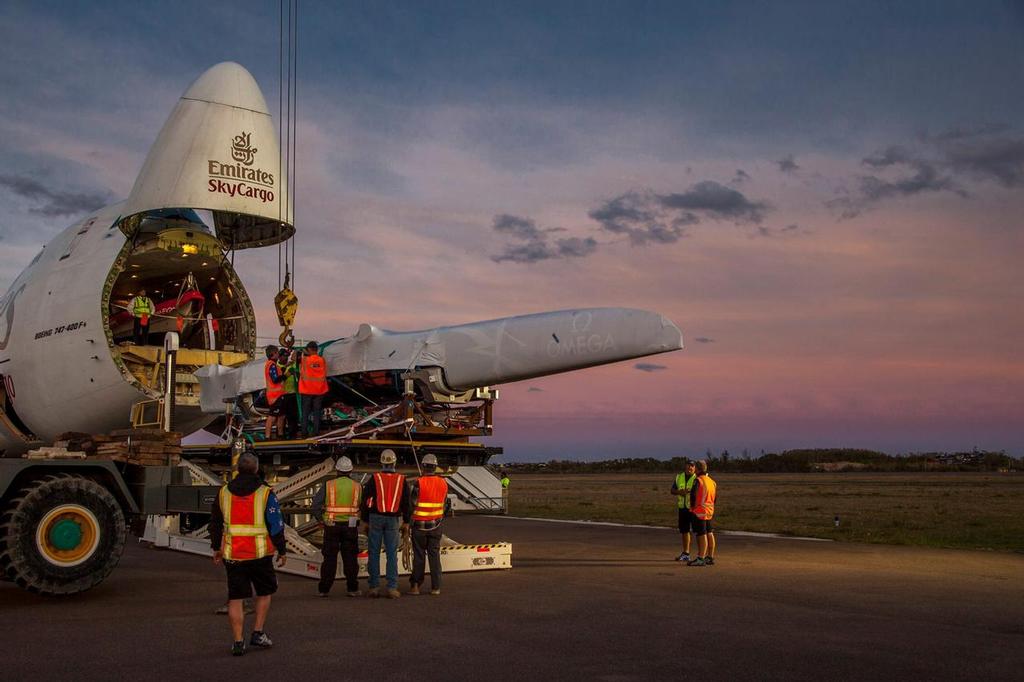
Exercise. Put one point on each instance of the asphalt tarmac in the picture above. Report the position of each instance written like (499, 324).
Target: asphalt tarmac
(582, 601)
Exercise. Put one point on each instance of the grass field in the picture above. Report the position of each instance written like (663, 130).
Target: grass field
(962, 510)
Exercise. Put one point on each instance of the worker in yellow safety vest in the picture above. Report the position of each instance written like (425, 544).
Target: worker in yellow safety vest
(702, 504)
(246, 527)
(141, 307)
(428, 495)
(312, 388)
(336, 504)
(681, 488)
(505, 482)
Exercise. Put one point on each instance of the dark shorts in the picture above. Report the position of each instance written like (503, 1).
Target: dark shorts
(277, 409)
(702, 526)
(685, 521)
(246, 576)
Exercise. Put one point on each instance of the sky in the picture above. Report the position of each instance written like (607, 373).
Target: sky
(825, 197)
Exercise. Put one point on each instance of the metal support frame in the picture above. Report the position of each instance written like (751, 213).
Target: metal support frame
(171, 350)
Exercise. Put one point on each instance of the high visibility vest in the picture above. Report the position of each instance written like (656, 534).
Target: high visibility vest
(274, 391)
(505, 482)
(245, 527)
(388, 492)
(684, 485)
(342, 499)
(313, 375)
(430, 504)
(291, 384)
(704, 507)
(141, 305)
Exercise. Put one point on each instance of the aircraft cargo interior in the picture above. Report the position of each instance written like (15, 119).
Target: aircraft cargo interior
(173, 258)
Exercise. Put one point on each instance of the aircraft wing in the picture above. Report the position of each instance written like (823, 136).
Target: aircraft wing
(479, 353)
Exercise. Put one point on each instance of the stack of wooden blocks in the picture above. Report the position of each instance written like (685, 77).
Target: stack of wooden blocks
(135, 446)
(140, 446)
(58, 450)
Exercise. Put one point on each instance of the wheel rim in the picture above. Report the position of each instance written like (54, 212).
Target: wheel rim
(68, 535)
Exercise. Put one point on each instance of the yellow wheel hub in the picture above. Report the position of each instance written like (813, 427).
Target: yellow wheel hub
(68, 535)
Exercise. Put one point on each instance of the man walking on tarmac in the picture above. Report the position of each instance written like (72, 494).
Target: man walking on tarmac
(338, 508)
(142, 308)
(681, 489)
(428, 495)
(702, 504)
(386, 511)
(312, 388)
(245, 528)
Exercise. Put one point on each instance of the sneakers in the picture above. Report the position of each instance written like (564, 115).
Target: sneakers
(415, 589)
(709, 561)
(683, 557)
(436, 592)
(260, 639)
(354, 593)
(238, 648)
(696, 562)
(394, 594)
(322, 595)
(373, 593)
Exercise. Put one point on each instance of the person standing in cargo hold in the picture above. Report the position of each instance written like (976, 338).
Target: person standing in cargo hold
(246, 527)
(336, 504)
(385, 506)
(681, 489)
(274, 377)
(428, 495)
(142, 308)
(702, 505)
(312, 387)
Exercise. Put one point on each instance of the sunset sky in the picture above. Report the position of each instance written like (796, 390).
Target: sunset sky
(826, 198)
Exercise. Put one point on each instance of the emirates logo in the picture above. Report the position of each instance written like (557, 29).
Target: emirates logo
(242, 149)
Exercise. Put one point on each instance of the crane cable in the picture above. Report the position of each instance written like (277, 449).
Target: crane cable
(285, 302)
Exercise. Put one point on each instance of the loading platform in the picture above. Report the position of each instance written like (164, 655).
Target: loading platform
(299, 467)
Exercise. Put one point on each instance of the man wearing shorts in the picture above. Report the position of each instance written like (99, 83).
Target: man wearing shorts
(702, 504)
(246, 527)
(681, 488)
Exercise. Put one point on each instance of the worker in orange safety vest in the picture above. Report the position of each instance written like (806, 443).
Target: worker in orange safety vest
(386, 513)
(336, 505)
(702, 506)
(312, 388)
(246, 527)
(428, 495)
(274, 379)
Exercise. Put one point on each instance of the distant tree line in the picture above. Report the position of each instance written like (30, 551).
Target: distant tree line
(792, 461)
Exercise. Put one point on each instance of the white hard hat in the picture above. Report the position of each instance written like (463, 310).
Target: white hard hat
(430, 460)
(388, 458)
(344, 465)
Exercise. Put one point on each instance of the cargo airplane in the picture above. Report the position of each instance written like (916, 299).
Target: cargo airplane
(212, 183)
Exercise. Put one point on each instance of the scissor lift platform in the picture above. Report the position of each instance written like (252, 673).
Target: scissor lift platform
(364, 452)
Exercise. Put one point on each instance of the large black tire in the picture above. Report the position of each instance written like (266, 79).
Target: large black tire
(61, 535)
